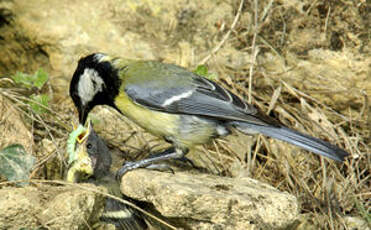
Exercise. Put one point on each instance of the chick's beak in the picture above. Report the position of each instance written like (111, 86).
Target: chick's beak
(83, 166)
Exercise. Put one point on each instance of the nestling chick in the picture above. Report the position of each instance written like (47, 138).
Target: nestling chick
(93, 166)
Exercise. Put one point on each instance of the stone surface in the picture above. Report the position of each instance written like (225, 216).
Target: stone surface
(211, 201)
(49, 207)
(356, 223)
(12, 128)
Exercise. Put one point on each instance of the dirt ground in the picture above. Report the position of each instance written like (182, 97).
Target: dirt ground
(307, 62)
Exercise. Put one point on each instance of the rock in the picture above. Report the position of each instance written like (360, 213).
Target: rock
(49, 207)
(324, 71)
(13, 130)
(15, 207)
(356, 223)
(212, 202)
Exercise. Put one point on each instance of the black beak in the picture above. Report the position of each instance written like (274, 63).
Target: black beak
(83, 114)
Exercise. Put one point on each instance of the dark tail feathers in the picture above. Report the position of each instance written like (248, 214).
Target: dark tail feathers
(123, 216)
(304, 141)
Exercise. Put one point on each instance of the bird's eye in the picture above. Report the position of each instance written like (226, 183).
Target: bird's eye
(89, 146)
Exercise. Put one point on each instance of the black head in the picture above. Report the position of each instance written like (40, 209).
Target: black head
(98, 153)
(95, 82)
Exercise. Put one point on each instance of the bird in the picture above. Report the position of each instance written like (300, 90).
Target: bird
(182, 107)
(93, 165)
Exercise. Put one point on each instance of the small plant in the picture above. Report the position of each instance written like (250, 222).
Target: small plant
(204, 72)
(29, 81)
(38, 102)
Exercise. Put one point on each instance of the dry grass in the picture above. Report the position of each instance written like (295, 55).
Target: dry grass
(325, 189)
(50, 125)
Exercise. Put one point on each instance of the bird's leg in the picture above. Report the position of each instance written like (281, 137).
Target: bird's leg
(160, 167)
(171, 153)
(182, 159)
(185, 159)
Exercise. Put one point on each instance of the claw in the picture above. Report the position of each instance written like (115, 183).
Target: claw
(131, 165)
(170, 153)
(128, 166)
(187, 160)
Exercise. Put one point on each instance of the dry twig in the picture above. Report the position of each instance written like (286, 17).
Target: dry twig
(226, 36)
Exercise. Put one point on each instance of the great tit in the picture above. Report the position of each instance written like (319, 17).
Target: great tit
(180, 106)
(93, 165)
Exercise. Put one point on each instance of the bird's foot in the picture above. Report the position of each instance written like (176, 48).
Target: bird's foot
(131, 165)
(127, 166)
(187, 160)
(152, 162)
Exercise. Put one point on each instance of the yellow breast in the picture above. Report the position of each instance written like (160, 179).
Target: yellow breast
(157, 123)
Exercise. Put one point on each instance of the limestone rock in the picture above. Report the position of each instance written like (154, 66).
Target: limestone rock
(13, 130)
(15, 207)
(210, 202)
(49, 207)
(356, 223)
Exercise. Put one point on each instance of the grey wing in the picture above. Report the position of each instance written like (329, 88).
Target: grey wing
(196, 96)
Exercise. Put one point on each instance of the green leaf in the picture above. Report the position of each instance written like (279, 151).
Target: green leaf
(23, 79)
(40, 77)
(204, 72)
(39, 103)
(15, 162)
(201, 70)
(36, 80)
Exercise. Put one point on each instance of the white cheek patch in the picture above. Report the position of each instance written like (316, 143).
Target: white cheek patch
(89, 85)
(173, 99)
(99, 57)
